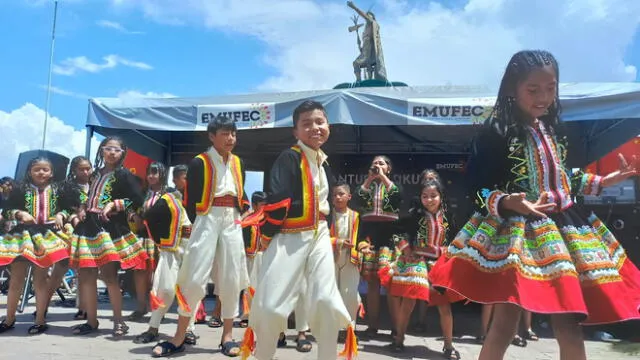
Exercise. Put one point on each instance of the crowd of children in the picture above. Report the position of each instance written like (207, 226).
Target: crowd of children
(300, 247)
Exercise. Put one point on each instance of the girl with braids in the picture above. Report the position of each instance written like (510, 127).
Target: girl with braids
(532, 244)
(77, 181)
(102, 239)
(378, 200)
(39, 238)
(425, 234)
(156, 187)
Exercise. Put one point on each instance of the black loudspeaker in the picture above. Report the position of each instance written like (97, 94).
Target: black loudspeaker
(59, 162)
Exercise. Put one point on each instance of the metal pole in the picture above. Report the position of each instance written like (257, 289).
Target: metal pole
(87, 145)
(53, 40)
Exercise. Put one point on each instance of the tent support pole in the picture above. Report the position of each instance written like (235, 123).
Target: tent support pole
(87, 145)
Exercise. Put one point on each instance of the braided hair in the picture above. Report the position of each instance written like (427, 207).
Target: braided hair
(73, 167)
(507, 118)
(99, 162)
(161, 170)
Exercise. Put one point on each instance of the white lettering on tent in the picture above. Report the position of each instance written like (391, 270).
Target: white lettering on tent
(246, 116)
(450, 111)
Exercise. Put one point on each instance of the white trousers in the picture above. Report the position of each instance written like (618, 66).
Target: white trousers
(215, 238)
(348, 280)
(164, 283)
(291, 264)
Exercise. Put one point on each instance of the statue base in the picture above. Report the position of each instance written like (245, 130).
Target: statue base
(370, 83)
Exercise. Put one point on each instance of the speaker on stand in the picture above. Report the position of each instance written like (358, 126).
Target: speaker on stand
(60, 163)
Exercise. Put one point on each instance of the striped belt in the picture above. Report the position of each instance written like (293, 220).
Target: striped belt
(185, 232)
(225, 201)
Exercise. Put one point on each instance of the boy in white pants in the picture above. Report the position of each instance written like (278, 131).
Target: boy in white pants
(300, 251)
(169, 227)
(215, 201)
(344, 236)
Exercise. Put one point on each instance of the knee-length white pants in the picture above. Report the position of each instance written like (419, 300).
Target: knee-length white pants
(348, 280)
(291, 262)
(215, 238)
(164, 283)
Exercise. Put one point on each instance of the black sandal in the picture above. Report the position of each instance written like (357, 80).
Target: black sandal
(228, 346)
(396, 347)
(530, 335)
(6, 327)
(84, 329)
(480, 339)
(244, 323)
(190, 338)
(37, 329)
(451, 353)
(145, 338)
(519, 341)
(214, 322)
(167, 349)
(301, 343)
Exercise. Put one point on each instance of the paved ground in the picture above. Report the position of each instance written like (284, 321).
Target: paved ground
(58, 343)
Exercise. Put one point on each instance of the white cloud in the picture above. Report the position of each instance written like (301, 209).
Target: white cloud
(135, 94)
(60, 91)
(117, 26)
(424, 43)
(71, 66)
(22, 131)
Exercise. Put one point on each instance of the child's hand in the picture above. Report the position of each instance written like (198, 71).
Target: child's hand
(25, 218)
(625, 171)
(106, 212)
(59, 221)
(519, 204)
(347, 243)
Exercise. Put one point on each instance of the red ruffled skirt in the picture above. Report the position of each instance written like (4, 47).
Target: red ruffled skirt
(409, 278)
(561, 264)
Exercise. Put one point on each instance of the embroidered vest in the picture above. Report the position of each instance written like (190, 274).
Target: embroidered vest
(353, 223)
(42, 205)
(178, 216)
(254, 242)
(430, 235)
(310, 216)
(206, 201)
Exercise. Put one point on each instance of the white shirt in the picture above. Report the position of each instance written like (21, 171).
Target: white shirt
(342, 225)
(225, 184)
(316, 159)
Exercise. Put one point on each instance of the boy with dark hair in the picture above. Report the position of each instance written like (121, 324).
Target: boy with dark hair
(215, 202)
(299, 253)
(347, 250)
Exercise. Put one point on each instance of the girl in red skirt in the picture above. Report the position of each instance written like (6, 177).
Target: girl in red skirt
(40, 237)
(102, 240)
(426, 233)
(531, 244)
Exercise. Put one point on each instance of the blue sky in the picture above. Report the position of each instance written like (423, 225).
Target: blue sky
(158, 48)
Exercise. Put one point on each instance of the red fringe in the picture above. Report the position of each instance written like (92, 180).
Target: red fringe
(246, 308)
(361, 311)
(252, 291)
(182, 302)
(248, 345)
(155, 301)
(384, 274)
(350, 350)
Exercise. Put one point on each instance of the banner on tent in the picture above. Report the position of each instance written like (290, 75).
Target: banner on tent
(246, 116)
(449, 111)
